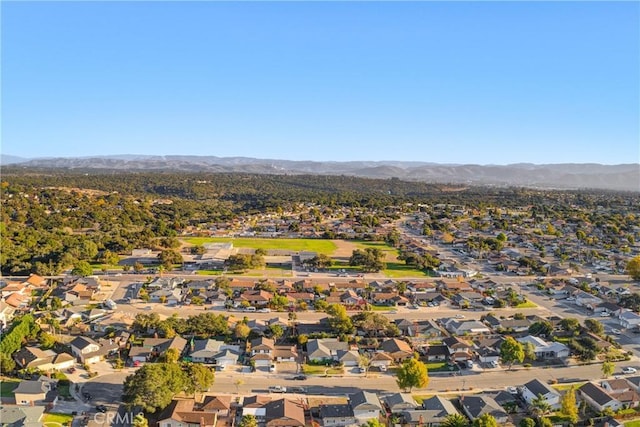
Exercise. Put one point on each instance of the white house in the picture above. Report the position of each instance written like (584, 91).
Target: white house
(535, 388)
(365, 405)
(544, 349)
(84, 348)
(628, 319)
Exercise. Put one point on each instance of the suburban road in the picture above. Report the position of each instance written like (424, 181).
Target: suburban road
(233, 382)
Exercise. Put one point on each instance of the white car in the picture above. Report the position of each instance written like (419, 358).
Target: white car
(605, 314)
(459, 316)
(616, 331)
(629, 370)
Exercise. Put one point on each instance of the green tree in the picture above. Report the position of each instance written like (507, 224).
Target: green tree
(7, 364)
(339, 320)
(607, 369)
(47, 341)
(633, 267)
(140, 421)
(370, 259)
(485, 420)
(539, 406)
(153, 386)
(82, 268)
(170, 257)
(527, 422)
(594, 326)
(455, 420)
(172, 355)
(570, 324)
(568, 406)
(276, 331)
(529, 351)
(248, 421)
(542, 328)
(241, 331)
(373, 422)
(199, 377)
(511, 351)
(412, 373)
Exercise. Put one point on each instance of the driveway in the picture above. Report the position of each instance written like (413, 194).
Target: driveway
(106, 389)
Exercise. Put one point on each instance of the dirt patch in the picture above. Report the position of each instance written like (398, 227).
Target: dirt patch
(344, 248)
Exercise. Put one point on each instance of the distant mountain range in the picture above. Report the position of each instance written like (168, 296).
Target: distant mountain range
(624, 177)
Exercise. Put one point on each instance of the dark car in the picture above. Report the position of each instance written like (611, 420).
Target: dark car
(300, 377)
(71, 370)
(101, 408)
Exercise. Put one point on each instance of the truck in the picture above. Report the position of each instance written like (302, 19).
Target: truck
(110, 304)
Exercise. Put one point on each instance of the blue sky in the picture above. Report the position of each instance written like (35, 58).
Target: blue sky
(448, 82)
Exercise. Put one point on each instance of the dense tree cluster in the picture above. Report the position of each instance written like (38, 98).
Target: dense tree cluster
(54, 220)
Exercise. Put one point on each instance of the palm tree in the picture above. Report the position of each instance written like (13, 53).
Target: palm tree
(455, 420)
(540, 406)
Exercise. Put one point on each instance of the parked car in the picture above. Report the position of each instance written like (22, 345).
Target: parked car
(71, 370)
(605, 314)
(616, 331)
(300, 377)
(629, 370)
(101, 408)
(297, 390)
(272, 368)
(277, 389)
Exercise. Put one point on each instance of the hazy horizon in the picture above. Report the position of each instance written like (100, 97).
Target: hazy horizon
(485, 83)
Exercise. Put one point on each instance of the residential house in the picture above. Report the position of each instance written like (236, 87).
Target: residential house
(535, 388)
(285, 353)
(44, 360)
(24, 416)
(166, 296)
(466, 327)
(459, 349)
(337, 415)
(628, 319)
(598, 398)
(432, 414)
(6, 314)
(429, 328)
(258, 299)
(159, 346)
(365, 405)
(262, 351)
(399, 402)
(213, 352)
(436, 353)
(284, 413)
(184, 413)
(380, 360)
(34, 392)
(220, 405)
(623, 391)
(399, 350)
(585, 299)
(475, 406)
(546, 350)
(325, 349)
(83, 347)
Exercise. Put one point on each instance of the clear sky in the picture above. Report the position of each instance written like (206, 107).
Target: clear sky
(447, 82)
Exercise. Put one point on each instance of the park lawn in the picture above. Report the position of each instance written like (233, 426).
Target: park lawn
(53, 417)
(320, 370)
(634, 423)
(526, 304)
(209, 272)
(314, 245)
(7, 386)
(397, 269)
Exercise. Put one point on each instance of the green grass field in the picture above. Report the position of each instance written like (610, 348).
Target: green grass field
(397, 269)
(52, 417)
(315, 245)
(7, 386)
(634, 423)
